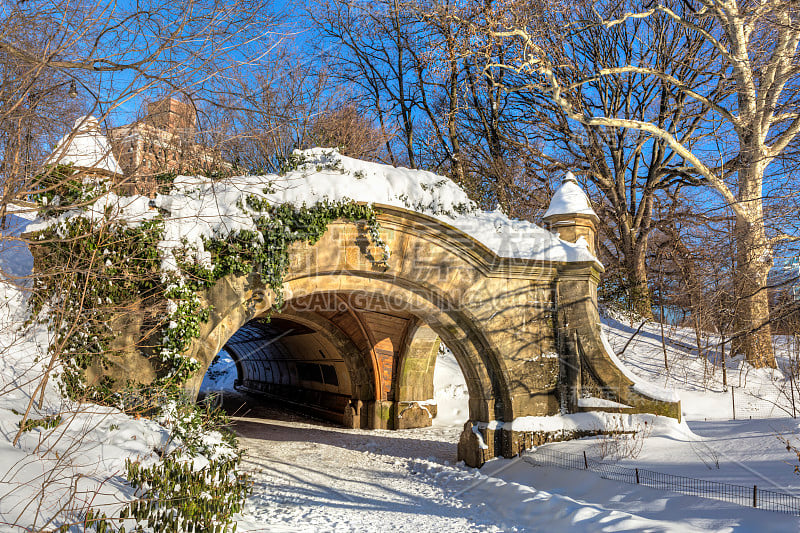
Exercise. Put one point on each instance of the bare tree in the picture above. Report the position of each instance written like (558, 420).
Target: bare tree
(289, 105)
(60, 59)
(111, 55)
(370, 53)
(629, 168)
(258, 130)
(349, 131)
(752, 96)
(438, 107)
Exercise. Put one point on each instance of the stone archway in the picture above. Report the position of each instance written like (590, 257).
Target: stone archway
(525, 333)
(488, 397)
(386, 353)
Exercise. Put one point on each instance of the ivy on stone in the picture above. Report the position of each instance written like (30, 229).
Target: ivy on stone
(108, 269)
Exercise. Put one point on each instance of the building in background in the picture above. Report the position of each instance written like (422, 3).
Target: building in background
(164, 141)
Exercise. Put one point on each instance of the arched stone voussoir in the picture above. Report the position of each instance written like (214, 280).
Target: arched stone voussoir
(234, 301)
(424, 252)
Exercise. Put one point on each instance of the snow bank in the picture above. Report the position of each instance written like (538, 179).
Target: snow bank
(16, 260)
(57, 470)
(759, 393)
(73, 456)
(520, 505)
(601, 402)
(640, 385)
(450, 390)
(592, 421)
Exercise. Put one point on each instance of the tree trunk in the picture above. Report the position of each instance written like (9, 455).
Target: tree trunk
(753, 263)
(638, 288)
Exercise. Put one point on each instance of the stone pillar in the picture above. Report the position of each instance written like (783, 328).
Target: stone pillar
(353, 414)
(477, 444)
(380, 414)
(572, 227)
(413, 387)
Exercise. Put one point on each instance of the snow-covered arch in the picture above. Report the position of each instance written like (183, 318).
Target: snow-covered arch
(525, 332)
(336, 272)
(514, 302)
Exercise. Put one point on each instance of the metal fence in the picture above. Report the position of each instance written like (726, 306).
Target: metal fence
(767, 500)
(745, 404)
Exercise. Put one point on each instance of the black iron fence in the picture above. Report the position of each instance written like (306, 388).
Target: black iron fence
(739, 494)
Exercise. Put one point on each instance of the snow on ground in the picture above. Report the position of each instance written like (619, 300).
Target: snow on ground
(16, 261)
(605, 505)
(310, 476)
(758, 393)
(63, 469)
(313, 476)
(450, 390)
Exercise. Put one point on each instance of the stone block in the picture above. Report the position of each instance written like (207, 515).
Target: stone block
(413, 415)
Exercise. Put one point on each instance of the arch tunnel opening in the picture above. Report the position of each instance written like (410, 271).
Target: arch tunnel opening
(287, 361)
(348, 359)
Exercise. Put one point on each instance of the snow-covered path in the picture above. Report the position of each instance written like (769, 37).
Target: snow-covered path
(312, 476)
(315, 477)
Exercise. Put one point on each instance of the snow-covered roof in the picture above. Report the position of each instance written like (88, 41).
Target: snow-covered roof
(85, 147)
(569, 199)
(198, 207)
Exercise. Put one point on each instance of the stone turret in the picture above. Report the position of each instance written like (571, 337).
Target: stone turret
(571, 215)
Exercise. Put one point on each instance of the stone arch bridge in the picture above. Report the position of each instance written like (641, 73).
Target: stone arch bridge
(357, 341)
